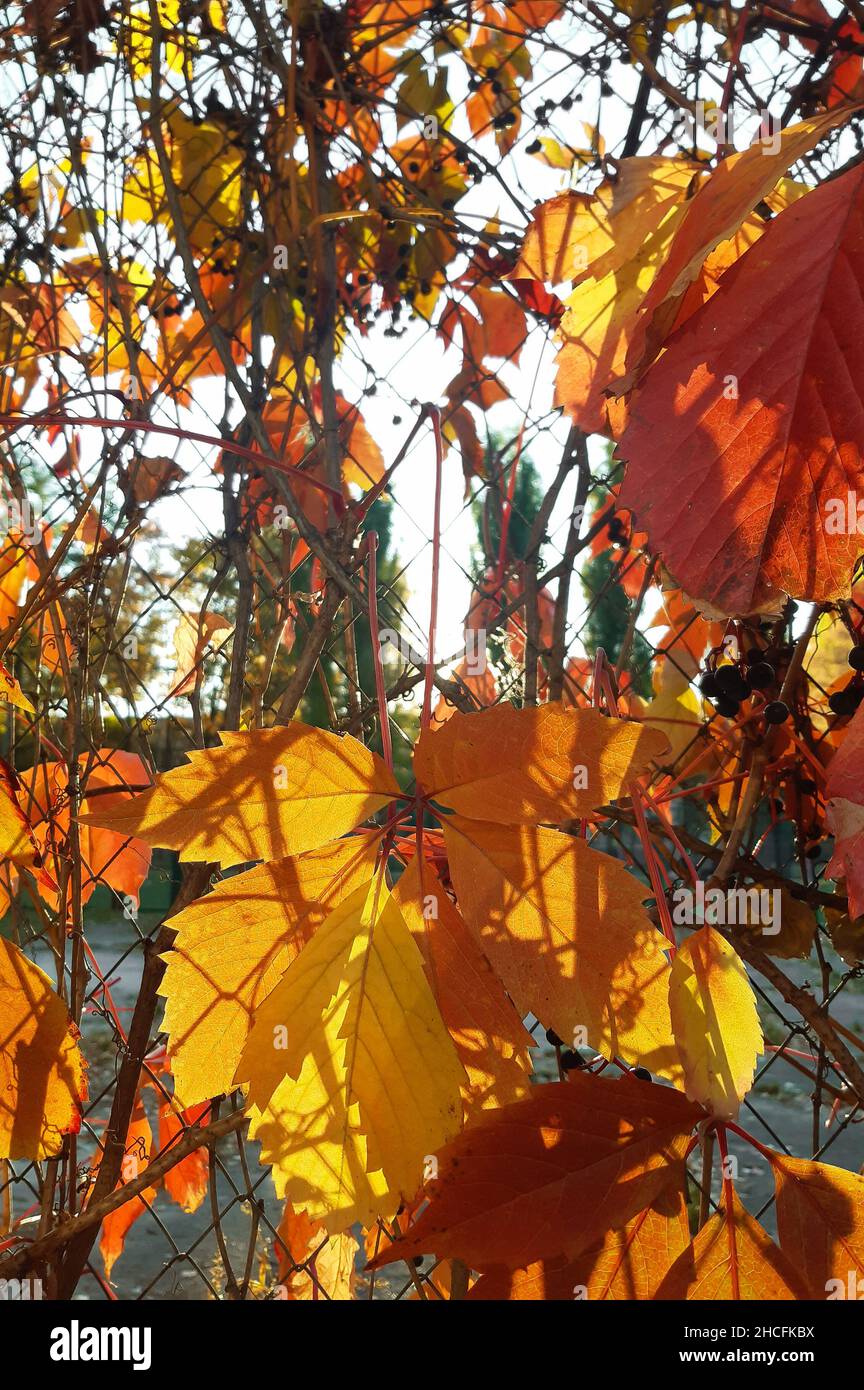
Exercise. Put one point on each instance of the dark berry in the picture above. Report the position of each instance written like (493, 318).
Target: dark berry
(760, 674)
(725, 705)
(845, 701)
(776, 712)
(856, 658)
(642, 1073)
(708, 685)
(571, 1061)
(731, 683)
(553, 1038)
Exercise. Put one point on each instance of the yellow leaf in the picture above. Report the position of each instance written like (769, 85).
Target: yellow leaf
(716, 1025)
(564, 928)
(194, 639)
(232, 948)
(675, 711)
(11, 691)
(42, 1073)
(315, 1147)
(263, 794)
(354, 1022)
(539, 764)
(573, 235)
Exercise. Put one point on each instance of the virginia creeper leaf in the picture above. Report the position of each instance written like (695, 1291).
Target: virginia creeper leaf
(233, 947)
(564, 928)
(356, 1001)
(732, 1257)
(820, 1223)
(263, 794)
(489, 1036)
(545, 763)
(716, 1025)
(552, 1174)
(42, 1073)
(627, 1263)
(751, 424)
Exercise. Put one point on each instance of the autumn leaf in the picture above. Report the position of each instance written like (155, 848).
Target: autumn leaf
(603, 310)
(355, 1002)
(17, 844)
(263, 794)
(732, 1257)
(489, 1036)
(573, 235)
(552, 1174)
(715, 212)
(714, 1018)
(11, 691)
(820, 1223)
(759, 399)
(43, 1082)
(564, 928)
(136, 1158)
(311, 1264)
(545, 763)
(629, 1263)
(186, 1182)
(233, 947)
(194, 640)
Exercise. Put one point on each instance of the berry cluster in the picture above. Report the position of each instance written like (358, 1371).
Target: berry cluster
(727, 686)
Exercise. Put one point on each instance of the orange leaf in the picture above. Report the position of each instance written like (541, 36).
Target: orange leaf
(820, 1223)
(626, 1264)
(259, 795)
(552, 1174)
(537, 764)
(194, 639)
(564, 928)
(491, 1041)
(118, 1223)
(750, 425)
(714, 214)
(42, 1072)
(732, 1259)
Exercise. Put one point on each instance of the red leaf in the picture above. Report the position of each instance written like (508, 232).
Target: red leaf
(752, 420)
